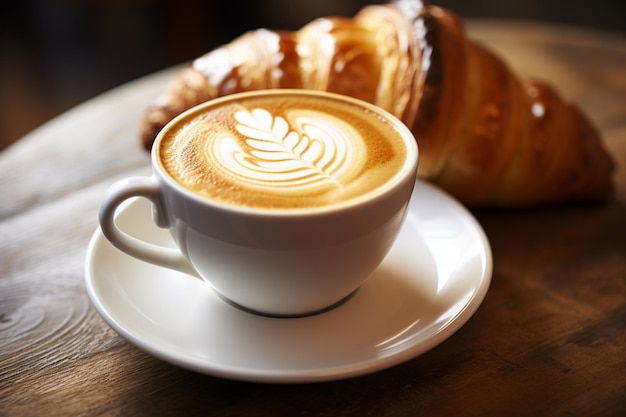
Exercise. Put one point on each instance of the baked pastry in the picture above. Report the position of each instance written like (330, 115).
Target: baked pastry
(484, 135)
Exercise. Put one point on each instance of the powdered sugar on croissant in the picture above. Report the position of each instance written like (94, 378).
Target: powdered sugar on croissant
(484, 135)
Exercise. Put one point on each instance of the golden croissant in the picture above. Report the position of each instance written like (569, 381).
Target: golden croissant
(484, 135)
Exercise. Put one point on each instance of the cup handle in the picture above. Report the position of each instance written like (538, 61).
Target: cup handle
(146, 187)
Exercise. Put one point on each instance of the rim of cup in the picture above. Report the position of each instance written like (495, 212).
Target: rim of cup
(370, 197)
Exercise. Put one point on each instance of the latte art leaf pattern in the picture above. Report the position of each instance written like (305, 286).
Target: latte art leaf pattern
(306, 149)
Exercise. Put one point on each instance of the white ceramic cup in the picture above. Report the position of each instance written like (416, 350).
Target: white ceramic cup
(272, 262)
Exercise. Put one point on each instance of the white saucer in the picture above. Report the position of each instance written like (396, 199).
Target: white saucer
(433, 280)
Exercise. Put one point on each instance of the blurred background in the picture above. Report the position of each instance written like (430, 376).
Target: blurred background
(56, 54)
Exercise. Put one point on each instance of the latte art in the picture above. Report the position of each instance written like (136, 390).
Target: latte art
(282, 150)
(309, 149)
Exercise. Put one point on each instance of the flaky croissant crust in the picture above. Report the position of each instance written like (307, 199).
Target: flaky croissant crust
(484, 135)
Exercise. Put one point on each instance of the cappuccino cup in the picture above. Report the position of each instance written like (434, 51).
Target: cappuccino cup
(284, 201)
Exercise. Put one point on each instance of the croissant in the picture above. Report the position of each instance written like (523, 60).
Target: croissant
(484, 135)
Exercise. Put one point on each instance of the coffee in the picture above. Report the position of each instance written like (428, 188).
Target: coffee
(282, 150)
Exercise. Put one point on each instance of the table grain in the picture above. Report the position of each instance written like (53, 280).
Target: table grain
(549, 338)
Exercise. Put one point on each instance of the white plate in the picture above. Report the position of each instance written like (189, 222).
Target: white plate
(430, 284)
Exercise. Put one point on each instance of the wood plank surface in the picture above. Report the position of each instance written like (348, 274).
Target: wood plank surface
(549, 339)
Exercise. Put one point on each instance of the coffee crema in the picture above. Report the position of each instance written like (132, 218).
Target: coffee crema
(282, 150)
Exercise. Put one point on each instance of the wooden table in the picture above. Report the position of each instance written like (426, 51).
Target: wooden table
(549, 338)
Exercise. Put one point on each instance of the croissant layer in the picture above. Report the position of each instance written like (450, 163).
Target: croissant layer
(485, 135)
